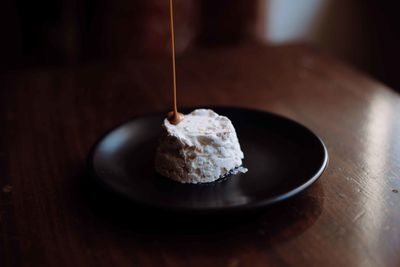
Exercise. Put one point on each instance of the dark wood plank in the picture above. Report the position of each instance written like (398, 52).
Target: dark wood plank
(50, 215)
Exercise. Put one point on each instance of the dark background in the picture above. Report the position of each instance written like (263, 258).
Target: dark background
(57, 33)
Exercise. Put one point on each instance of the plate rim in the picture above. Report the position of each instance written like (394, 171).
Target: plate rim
(228, 209)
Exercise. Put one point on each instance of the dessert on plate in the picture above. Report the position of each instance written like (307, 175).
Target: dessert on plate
(201, 148)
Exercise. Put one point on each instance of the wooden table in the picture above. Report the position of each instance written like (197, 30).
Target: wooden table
(51, 216)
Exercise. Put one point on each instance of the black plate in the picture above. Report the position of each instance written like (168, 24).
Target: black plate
(283, 158)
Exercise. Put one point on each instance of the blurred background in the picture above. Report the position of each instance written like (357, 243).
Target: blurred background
(62, 33)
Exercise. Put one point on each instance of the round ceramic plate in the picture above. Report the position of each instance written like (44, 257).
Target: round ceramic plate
(283, 158)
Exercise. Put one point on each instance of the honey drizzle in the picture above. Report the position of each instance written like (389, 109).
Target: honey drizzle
(174, 116)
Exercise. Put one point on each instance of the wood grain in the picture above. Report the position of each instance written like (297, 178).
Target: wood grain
(51, 215)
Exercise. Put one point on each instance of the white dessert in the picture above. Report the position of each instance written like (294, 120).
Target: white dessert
(202, 148)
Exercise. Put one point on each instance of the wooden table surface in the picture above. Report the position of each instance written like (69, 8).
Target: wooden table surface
(51, 215)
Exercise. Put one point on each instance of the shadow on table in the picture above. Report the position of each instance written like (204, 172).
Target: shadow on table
(277, 223)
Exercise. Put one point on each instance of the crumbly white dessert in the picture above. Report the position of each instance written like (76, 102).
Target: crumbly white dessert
(202, 148)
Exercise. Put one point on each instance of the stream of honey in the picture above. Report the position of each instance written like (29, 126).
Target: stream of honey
(174, 116)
